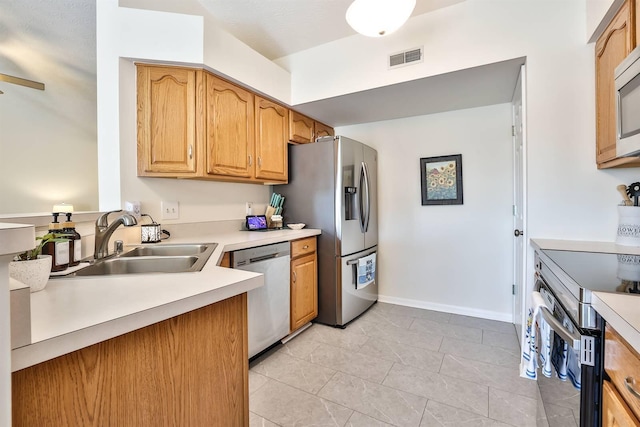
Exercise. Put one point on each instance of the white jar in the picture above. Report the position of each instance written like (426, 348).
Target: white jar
(628, 226)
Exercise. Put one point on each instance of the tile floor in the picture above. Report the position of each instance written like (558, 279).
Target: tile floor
(395, 366)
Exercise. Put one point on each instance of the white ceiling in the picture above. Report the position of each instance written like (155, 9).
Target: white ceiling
(273, 28)
(276, 28)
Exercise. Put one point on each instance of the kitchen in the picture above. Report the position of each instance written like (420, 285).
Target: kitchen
(560, 125)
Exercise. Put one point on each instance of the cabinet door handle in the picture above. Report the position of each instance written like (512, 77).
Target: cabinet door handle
(190, 151)
(295, 277)
(305, 247)
(260, 161)
(629, 382)
(250, 160)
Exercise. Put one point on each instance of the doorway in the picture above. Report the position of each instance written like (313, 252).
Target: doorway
(518, 108)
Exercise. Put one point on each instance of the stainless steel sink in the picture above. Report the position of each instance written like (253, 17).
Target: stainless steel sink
(152, 259)
(140, 265)
(166, 250)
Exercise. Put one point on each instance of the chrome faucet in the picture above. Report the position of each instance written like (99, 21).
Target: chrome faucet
(104, 230)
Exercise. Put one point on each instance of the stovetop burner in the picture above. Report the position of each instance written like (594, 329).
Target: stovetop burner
(597, 271)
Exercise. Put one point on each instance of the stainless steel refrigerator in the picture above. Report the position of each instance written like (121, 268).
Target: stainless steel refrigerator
(333, 186)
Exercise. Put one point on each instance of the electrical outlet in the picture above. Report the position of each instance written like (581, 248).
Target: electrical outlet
(170, 210)
(249, 208)
(134, 208)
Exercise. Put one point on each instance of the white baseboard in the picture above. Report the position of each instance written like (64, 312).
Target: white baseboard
(455, 309)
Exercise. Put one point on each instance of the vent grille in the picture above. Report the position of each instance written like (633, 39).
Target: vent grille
(411, 56)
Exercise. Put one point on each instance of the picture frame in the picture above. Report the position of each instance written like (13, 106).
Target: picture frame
(441, 180)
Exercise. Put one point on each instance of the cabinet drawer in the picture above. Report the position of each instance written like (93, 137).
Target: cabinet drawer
(614, 411)
(622, 364)
(303, 246)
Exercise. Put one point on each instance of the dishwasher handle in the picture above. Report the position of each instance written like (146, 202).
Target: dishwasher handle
(263, 258)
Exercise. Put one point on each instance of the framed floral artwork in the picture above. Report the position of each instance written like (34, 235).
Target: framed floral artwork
(441, 180)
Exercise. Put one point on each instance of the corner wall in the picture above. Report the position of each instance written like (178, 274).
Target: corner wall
(450, 258)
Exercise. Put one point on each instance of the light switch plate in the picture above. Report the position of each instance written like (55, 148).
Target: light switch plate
(170, 210)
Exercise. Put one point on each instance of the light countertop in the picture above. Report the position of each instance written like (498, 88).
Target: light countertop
(72, 313)
(621, 311)
(584, 246)
(15, 238)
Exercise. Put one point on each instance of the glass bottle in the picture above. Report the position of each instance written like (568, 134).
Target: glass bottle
(75, 241)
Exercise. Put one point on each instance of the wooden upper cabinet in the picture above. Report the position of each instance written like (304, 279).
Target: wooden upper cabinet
(272, 124)
(612, 47)
(324, 130)
(230, 129)
(193, 124)
(637, 13)
(301, 129)
(167, 125)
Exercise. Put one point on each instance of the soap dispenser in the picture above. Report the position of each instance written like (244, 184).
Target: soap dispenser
(59, 250)
(75, 241)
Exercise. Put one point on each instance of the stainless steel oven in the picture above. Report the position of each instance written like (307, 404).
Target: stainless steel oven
(566, 307)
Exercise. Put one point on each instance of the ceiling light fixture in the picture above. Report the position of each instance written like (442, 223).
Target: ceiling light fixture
(377, 18)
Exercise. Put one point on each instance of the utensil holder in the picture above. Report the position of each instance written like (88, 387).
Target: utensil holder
(269, 213)
(628, 226)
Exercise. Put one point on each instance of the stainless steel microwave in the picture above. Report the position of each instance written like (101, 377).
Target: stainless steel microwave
(627, 84)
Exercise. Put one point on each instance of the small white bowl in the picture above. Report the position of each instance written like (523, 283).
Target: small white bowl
(296, 226)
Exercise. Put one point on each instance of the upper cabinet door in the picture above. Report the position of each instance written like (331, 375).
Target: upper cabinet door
(166, 120)
(230, 129)
(323, 130)
(611, 48)
(272, 124)
(300, 128)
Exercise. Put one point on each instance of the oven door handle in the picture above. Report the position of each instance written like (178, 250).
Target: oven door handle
(572, 338)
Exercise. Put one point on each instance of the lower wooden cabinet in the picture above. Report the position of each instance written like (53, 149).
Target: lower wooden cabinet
(620, 401)
(190, 370)
(615, 412)
(304, 282)
(226, 260)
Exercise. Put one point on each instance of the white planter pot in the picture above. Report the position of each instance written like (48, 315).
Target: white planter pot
(34, 273)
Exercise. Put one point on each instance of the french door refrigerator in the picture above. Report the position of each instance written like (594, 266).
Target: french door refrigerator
(333, 186)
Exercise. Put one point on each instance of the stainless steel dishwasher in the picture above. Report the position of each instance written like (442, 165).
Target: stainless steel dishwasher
(268, 307)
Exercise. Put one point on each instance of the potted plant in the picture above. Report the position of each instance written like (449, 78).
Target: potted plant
(31, 267)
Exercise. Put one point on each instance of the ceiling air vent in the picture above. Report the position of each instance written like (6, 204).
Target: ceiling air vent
(408, 57)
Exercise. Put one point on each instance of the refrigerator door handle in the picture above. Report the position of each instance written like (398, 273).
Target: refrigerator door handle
(362, 184)
(368, 195)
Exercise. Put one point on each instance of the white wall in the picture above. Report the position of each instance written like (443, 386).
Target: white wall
(599, 13)
(48, 150)
(451, 258)
(568, 198)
